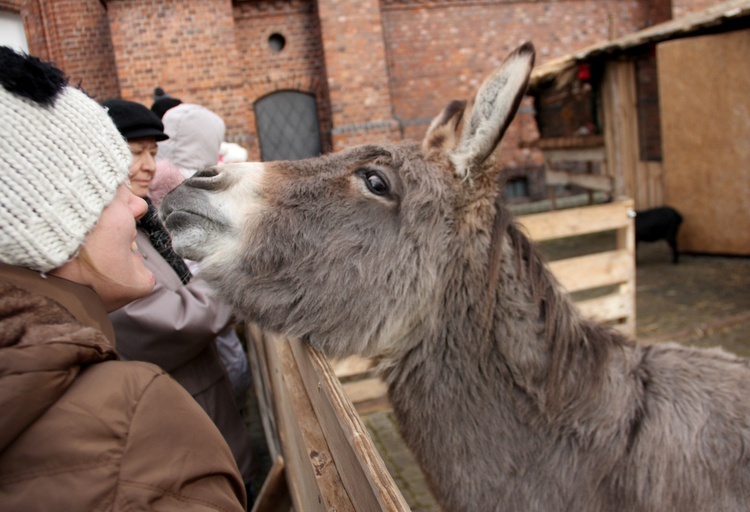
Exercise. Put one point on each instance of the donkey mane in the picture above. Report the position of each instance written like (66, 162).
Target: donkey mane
(573, 341)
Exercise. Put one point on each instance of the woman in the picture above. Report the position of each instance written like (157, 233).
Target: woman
(81, 430)
(176, 325)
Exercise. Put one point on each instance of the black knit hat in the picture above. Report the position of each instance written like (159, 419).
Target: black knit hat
(163, 104)
(135, 120)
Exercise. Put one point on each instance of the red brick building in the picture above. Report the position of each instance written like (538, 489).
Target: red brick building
(371, 69)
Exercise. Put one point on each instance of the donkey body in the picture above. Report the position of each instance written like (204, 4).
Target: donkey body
(509, 399)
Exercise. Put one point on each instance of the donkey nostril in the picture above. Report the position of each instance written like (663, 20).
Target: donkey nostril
(208, 172)
(206, 179)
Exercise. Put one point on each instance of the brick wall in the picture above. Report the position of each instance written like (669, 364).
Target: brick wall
(299, 65)
(379, 69)
(358, 79)
(75, 35)
(442, 50)
(188, 48)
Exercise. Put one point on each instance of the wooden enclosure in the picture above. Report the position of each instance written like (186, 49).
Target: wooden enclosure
(632, 175)
(670, 103)
(309, 416)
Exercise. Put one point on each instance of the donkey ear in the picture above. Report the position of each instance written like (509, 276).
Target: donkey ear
(493, 109)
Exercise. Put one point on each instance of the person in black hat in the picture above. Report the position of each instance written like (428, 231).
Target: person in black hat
(142, 129)
(163, 102)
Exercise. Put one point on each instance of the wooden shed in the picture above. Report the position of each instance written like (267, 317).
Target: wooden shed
(663, 116)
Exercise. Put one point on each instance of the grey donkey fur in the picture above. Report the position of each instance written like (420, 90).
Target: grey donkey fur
(509, 399)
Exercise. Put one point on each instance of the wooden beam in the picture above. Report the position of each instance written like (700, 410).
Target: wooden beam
(593, 270)
(314, 479)
(583, 180)
(575, 155)
(362, 470)
(577, 221)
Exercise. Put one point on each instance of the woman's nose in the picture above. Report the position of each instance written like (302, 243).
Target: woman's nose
(149, 163)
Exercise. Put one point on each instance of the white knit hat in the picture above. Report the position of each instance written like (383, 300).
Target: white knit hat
(61, 161)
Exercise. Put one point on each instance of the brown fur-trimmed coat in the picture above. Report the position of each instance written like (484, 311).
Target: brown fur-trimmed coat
(81, 430)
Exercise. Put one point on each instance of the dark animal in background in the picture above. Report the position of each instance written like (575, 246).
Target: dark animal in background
(660, 223)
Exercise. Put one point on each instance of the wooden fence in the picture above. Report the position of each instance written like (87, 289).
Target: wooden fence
(325, 457)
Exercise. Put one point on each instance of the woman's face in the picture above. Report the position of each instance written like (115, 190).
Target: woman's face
(118, 274)
(143, 168)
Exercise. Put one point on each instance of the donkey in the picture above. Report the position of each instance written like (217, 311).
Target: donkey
(508, 398)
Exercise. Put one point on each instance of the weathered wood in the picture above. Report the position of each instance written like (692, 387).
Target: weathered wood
(593, 270)
(363, 472)
(367, 395)
(588, 181)
(330, 461)
(350, 366)
(274, 495)
(575, 155)
(621, 125)
(256, 355)
(577, 221)
(609, 308)
(313, 477)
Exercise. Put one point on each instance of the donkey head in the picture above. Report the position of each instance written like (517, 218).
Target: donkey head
(354, 251)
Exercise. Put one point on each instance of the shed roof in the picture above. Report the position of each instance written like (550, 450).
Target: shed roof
(725, 15)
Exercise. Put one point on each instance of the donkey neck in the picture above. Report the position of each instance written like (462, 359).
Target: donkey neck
(517, 330)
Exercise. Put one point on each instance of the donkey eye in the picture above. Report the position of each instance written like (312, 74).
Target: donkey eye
(376, 183)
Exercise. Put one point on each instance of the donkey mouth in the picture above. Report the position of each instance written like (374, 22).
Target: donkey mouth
(193, 233)
(178, 220)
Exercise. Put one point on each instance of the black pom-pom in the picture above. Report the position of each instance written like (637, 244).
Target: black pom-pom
(29, 77)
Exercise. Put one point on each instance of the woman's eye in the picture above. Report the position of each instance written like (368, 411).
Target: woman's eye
(376, 184)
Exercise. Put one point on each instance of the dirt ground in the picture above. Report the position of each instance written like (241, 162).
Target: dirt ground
(703, 301)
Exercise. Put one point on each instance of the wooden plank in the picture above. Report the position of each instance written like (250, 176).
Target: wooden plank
(314, 480)
(576, 141)
(593, 270)
(351, 366)
(274, 495)
(620, 125)
(588, 181)
(575, 155)
(367, 395)
(362, 470)
(607, 308)
(626, 242)
(256, 356)
(577, 221)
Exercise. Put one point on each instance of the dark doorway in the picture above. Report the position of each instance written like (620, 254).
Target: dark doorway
(288, 126)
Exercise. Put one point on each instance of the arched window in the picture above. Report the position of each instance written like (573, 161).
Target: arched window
(287, 123)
